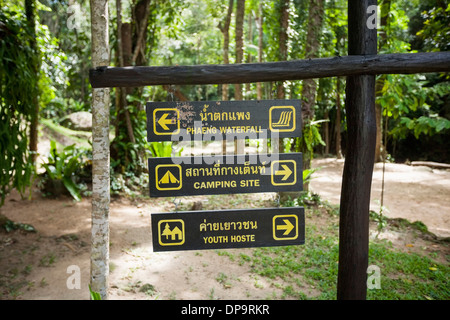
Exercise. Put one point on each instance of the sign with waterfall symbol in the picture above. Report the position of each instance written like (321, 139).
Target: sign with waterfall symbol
(202, 120)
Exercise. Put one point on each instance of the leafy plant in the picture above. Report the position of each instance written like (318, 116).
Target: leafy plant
(163, 149)
(94, 295)
(61, 168)
(11, 225)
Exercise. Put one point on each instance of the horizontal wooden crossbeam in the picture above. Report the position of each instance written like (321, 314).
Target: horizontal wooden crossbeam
(397, 63)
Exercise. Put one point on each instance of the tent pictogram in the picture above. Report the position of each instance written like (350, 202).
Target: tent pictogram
(168, 177)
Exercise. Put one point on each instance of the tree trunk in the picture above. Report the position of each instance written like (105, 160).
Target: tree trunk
(326, 133)
(141, 12)
(260, 48)
(384, 24)
(283, 38)
(315, 19)
(226, 42)
(30, 11)
(359, 161)
(249, 55)
(123, 53)
(100, 154)
(240, 9)
(338, 119)
(239, 144)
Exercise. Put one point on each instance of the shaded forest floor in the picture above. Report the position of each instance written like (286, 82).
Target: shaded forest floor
(34, 265)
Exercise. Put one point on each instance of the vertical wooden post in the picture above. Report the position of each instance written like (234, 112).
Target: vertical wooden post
(359, 160)
(100, 154)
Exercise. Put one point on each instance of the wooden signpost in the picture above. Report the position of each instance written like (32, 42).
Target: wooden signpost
(184, 176)
(203, 120)
(225, 174)
(226, 229)
(362, 61)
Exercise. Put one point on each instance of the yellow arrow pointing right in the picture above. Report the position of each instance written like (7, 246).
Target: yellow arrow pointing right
(288, 227)
(286, 172)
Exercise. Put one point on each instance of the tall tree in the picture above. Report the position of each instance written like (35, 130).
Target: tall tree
(259, 22)
(315, 20)
(100, 153)
(384, 25)
(239, 144)
(224, 27)
(283, 41)
(30, 12)
(124, 59)
(239, 36)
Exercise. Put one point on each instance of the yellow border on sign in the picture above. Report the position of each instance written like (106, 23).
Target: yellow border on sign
(272, 173)
(168, 165)
(293, 119)
(173, 243)
(166, 133)
(295, 226)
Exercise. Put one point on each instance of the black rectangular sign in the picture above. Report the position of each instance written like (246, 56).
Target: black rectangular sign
(203, 120)
(225, 174)
(225, 229)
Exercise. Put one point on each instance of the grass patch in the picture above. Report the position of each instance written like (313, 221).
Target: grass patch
(310, 271)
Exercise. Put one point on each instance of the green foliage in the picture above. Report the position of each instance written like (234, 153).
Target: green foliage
(424, 125)
(11, 225)
(94, 295)
(298, 269)
(63, 166)
(436, 28)
(163, 149)
(17, 81)
(310, 139)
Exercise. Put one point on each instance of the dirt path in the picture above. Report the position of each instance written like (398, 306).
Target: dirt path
(38, 262)
(35, 265)
(413, 193)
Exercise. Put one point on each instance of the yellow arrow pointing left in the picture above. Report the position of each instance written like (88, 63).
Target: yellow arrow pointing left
(163, 121)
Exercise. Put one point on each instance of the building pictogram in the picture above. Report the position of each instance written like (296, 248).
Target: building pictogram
(171, 232)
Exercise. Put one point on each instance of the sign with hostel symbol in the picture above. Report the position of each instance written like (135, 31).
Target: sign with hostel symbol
(171, 232)
(226, 229)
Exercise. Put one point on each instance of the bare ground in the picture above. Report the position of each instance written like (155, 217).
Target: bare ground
(34, 265)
